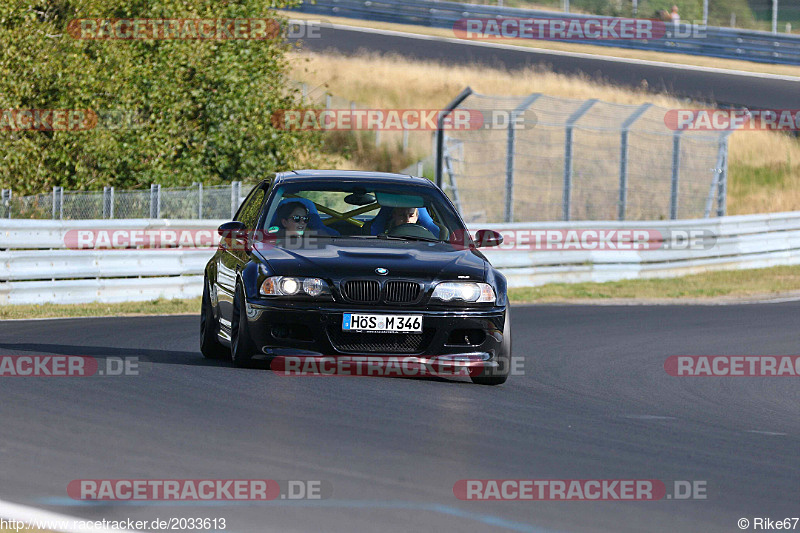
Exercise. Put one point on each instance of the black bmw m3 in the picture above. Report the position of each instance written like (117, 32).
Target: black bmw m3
(341, 263)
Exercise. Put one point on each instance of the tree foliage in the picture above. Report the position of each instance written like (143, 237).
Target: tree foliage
(169, 111)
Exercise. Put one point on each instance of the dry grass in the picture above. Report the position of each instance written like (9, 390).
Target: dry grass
(764, 173)
(395, 82)
(682, 59)
(153, 307)
(764, 166)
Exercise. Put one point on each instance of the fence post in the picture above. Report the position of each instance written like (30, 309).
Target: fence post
(420, 168)
(235, 188)
(440, 132)
(58, 203)
(405, 137)
(722, 192)
(111, 203)
(327, 101)
(623, 159)
(155, 200)
(106, 202)
(510, 152)
(7, 201)
(774, 16)
(676, 171)
(199, 201)
(567, 195)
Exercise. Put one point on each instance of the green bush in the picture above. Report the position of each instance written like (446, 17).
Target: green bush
(171, 111)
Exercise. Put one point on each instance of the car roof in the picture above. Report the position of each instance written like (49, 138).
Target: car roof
(350, 175)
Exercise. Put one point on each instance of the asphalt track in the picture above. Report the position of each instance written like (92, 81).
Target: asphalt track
(594, 403)
(710, 85)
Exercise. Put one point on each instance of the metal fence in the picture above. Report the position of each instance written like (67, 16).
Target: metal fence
(563, 159)
(759, 46)
(195, 202)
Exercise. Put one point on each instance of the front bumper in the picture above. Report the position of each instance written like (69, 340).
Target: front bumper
(315, 329)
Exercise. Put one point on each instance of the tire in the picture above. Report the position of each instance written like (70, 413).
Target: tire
(242, 347)
(498, 376)
(209, 342)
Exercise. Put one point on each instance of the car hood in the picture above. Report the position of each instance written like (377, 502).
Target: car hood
(352, 258)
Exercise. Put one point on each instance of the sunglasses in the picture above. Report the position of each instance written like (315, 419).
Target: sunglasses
(300, 218)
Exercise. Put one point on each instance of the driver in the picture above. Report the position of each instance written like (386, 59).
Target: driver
(402, 215)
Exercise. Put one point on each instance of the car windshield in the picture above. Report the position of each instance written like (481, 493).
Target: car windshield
(363, 210)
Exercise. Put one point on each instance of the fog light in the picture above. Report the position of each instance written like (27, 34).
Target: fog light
(280, 332)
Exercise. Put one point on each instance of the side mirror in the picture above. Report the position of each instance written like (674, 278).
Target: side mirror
(486, 238)
(234, 235)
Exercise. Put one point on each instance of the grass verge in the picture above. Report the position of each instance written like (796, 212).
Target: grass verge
(152, 307)
(710, 287)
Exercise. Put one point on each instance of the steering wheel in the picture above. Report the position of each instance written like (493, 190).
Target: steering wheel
(411, 230)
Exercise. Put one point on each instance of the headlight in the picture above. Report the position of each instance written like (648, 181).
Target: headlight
(468, 292)
(289, 286)
(313, 286)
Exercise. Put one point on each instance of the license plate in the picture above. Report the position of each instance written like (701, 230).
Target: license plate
(382, 323)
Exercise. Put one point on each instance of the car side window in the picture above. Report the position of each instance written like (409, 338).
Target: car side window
(251, 208)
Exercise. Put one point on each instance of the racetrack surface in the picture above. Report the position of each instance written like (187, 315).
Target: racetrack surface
(594, 403)
(710, 85)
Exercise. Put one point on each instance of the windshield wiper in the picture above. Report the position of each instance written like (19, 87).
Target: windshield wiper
(406, 238)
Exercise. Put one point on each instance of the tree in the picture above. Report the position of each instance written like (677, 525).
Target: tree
(169, 111)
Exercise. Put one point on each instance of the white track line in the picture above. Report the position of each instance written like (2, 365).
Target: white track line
(32, 515)
(647, 62)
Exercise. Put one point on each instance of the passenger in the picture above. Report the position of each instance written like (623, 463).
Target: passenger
(292, 218)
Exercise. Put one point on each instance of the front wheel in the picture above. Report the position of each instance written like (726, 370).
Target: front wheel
(499, 375)
(242, 347)
(209, 342)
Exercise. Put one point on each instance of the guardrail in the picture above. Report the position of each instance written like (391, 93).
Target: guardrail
(739, 242)
(758, 46)
(37, 267)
